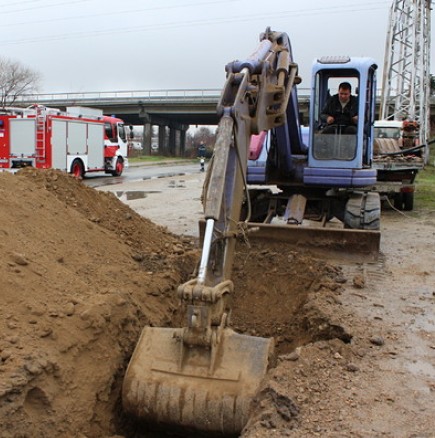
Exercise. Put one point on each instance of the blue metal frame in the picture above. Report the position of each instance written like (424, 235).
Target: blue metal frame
(351, 172)
(297, 164)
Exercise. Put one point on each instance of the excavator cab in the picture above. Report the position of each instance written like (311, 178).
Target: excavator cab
(341, 155)
(330, 175)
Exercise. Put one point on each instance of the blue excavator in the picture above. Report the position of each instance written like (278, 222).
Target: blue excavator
(264, 181)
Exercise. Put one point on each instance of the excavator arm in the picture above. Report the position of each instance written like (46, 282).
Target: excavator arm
(254, 99)
(204, 375)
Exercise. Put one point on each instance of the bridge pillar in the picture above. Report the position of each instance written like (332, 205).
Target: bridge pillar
(182, 142)
(183, 131)
(177, 139)
(163, 144)
(147, 132)
(172, 141)
(146, 140)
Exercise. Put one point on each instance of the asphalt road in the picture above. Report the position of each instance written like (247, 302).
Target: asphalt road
(172, 199)
(137, 172)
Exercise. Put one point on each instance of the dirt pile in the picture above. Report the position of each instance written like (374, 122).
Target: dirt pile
(82, 274)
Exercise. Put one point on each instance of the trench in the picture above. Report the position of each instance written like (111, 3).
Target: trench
(278, 292)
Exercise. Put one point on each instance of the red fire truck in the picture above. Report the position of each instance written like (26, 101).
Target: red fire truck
(78, 140)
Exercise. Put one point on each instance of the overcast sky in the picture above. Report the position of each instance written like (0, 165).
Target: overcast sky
(105, 45)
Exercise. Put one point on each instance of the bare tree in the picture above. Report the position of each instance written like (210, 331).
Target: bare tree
(16, 80)
(204, 135)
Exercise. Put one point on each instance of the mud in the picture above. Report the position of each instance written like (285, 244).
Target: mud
(82, 273)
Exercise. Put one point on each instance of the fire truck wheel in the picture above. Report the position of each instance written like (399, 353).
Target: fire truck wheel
(119, 167)
(77, 169)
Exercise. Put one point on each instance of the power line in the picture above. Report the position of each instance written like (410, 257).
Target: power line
(22, 2)
(41, 6)
(196, 23)
(118, 13)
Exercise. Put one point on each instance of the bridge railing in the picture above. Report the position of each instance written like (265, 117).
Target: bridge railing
(193, 94)
(154, 95)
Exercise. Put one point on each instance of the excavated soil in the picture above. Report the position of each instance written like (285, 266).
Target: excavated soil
(82, 273)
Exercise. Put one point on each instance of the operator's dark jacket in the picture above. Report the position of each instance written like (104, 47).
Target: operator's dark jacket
(342, 116)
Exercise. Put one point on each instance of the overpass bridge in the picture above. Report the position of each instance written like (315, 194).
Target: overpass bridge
(178, 106)
(171, 110)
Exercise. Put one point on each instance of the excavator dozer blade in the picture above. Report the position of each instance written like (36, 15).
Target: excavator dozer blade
(164, 385)
(342, 242)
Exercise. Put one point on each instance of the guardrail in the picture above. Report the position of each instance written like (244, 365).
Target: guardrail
(136, 95)
(186, 94)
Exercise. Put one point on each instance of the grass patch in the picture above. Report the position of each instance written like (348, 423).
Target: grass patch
(425, 189)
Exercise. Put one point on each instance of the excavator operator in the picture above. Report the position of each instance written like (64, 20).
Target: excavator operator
(341, 111)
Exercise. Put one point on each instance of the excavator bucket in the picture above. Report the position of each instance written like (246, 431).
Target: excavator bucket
(169, 384)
